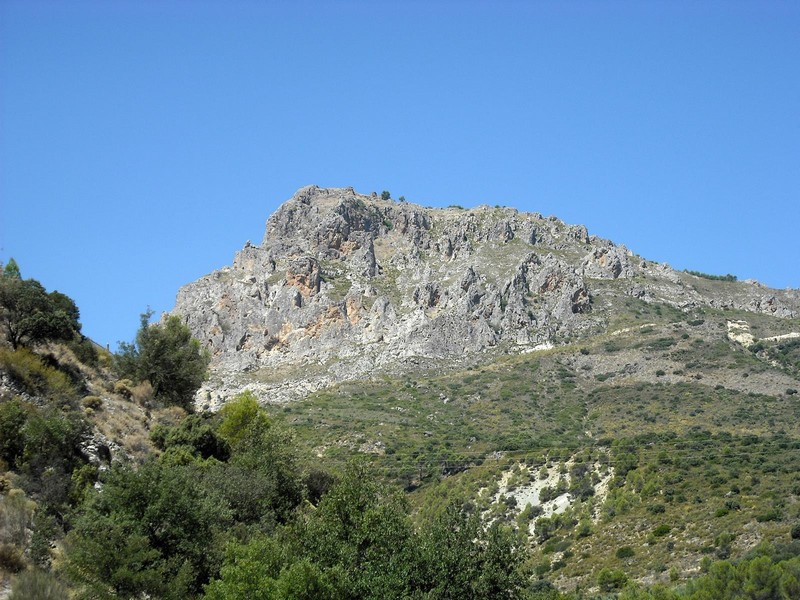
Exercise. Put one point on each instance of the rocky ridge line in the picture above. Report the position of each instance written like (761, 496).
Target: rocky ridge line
(345, 286)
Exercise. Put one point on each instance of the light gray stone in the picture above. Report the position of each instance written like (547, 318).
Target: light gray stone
(344, 285)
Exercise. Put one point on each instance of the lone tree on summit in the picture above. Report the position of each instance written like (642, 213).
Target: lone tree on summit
(166, 355)
(11, 270)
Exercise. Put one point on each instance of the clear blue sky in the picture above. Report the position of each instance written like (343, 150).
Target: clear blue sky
(142, 143)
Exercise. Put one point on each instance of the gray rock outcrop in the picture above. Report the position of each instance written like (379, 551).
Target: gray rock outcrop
(344, 285)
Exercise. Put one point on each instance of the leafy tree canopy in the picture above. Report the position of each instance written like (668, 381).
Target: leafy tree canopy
(239, 416)
(11, 270)
(166, 355)
(30, 315)
(150, 532)
(360, 543)
(195, 434)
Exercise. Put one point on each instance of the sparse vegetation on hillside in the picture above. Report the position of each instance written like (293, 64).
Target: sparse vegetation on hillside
(702, 466)
(654, 459)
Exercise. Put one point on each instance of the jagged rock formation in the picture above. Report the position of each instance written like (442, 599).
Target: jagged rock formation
(345, 285)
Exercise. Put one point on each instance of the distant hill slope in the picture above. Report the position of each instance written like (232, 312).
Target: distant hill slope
(348, 287)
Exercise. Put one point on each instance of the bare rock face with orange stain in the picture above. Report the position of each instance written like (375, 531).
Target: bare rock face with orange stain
(303, 274)
(344, 285)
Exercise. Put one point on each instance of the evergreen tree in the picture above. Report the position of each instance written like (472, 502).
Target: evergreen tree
(11, 270)
(168, 357)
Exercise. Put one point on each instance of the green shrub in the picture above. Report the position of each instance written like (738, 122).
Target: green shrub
(542, 568)
(625, 552)
(45, 530)
(661, 343)
(150, 533)
(239, 415)
(43, 446)
(13, 416)
(705, 564)
(662, 530)
(611, 580)
(769, 515)
(317, 483)
(559, 564)
(584, 529)
(194, 434)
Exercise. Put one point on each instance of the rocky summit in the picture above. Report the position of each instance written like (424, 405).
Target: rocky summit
(348, 286)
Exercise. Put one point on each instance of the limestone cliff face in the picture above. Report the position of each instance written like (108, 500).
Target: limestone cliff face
(344, 286)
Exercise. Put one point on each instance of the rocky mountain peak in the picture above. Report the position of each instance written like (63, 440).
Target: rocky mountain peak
(345, 284)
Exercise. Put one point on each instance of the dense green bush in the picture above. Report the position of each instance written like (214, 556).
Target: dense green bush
(261, 484)
(13, 416)
(610, 580)
(662, 530)
(359, 543)
(240, 415)
(756, 578)
(625, 552)
(44, 445)
(160, 530)
(772, 514)
(196, 434)
(149, 532)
